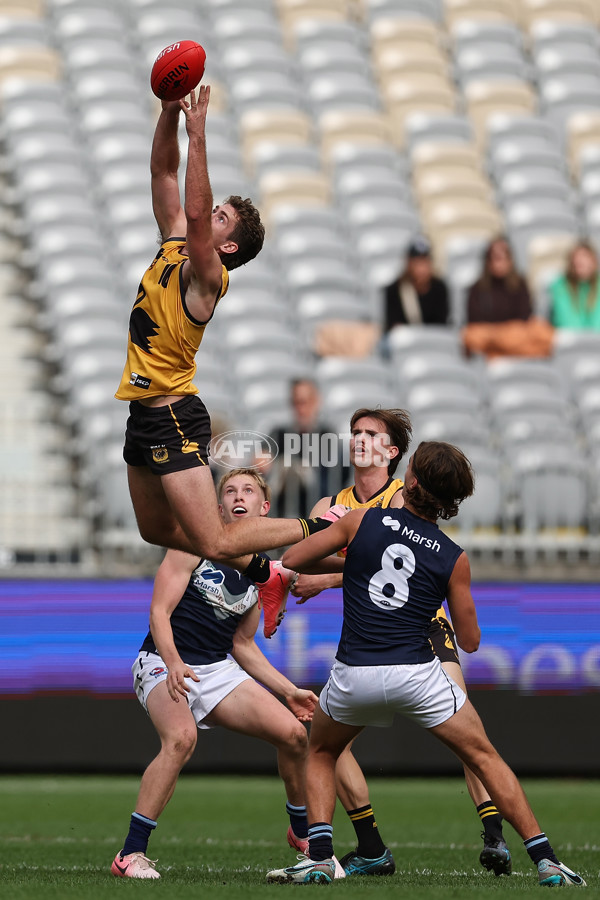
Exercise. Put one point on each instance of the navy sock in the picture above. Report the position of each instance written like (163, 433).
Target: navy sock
(298, 819)
(320, 838)
(140, 829)
(539, 848)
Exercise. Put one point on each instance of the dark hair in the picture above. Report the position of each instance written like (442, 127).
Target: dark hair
(248, 233)
(572, 281)
(397, 426)
(444, 479)
(513, 280)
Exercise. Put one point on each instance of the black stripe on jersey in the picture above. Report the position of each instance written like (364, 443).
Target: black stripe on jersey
(166, 274)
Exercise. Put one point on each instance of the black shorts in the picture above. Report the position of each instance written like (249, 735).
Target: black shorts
(442, 640)
(168, 438)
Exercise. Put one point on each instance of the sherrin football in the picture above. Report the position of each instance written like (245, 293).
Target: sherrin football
(177, 70)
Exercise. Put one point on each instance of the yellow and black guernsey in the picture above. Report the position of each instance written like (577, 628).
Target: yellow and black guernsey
(347, 496)
(163, 335)
(383, 498)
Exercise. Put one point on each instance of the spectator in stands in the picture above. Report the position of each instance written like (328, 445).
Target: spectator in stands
(297, 477)
(417, 297)
(501, 293)
(575, 296)
(500, 320)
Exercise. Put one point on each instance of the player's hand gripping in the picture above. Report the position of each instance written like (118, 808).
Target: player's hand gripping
(307, 586)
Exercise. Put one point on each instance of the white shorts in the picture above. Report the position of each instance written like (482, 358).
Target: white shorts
(372, 695)
(217, 680)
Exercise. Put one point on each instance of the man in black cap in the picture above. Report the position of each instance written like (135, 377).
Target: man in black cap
(417, 297)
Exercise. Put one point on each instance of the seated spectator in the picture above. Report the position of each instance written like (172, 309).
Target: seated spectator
(575, 296)
(500, 294)
(417, 297)
(499, 311)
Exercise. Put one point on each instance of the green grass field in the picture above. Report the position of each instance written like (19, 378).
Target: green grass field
(220, 835)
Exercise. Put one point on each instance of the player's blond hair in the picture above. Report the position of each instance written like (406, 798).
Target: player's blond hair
(251, 473)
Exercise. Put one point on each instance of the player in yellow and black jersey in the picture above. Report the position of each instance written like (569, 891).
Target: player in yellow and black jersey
(379, 439)
(168, 430)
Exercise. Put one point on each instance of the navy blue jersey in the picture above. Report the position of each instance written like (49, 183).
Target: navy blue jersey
(205, 619)
(395, 578)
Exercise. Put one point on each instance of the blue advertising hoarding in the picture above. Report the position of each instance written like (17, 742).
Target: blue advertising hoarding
(79, 636)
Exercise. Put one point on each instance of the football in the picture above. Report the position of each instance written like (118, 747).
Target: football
(177, 70)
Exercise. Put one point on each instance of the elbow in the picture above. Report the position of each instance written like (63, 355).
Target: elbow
(470, 643)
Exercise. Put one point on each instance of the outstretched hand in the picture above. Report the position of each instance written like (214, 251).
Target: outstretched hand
(195, 110)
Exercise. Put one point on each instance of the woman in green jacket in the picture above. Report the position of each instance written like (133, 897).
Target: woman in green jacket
(575, 296)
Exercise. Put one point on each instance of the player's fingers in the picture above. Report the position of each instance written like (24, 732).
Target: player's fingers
(301, 600)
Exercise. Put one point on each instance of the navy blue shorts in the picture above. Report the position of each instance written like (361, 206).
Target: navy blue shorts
(168, 438)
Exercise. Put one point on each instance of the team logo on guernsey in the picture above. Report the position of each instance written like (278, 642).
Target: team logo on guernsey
(160, 454)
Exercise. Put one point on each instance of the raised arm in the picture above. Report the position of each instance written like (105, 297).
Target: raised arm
(461, 606)
(170, 583)
(164, 165)
(206, 267)
(250, 657)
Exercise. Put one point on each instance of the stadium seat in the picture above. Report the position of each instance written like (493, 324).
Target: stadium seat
(489, 97)
(569, 10)
(417, 339)
(341, 90)
(485, 509)
(375, 9)
(490, 60)
(528, 183)
(282, 125)
(434, 369)
(359, 126)
(475, 33)
(553, 500)
(481, 10)
(247, 24)
(400, 60)
(423, 127)
(334, 56)
(514, 153)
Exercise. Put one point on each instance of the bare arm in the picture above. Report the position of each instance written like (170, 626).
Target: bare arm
(205, 271)
(302, 557)
(330, 573)
(164, 165)
(254, 662)
(169, 585)
(462, 607)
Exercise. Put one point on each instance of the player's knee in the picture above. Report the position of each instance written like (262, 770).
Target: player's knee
(295, 740)
(181, 745)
